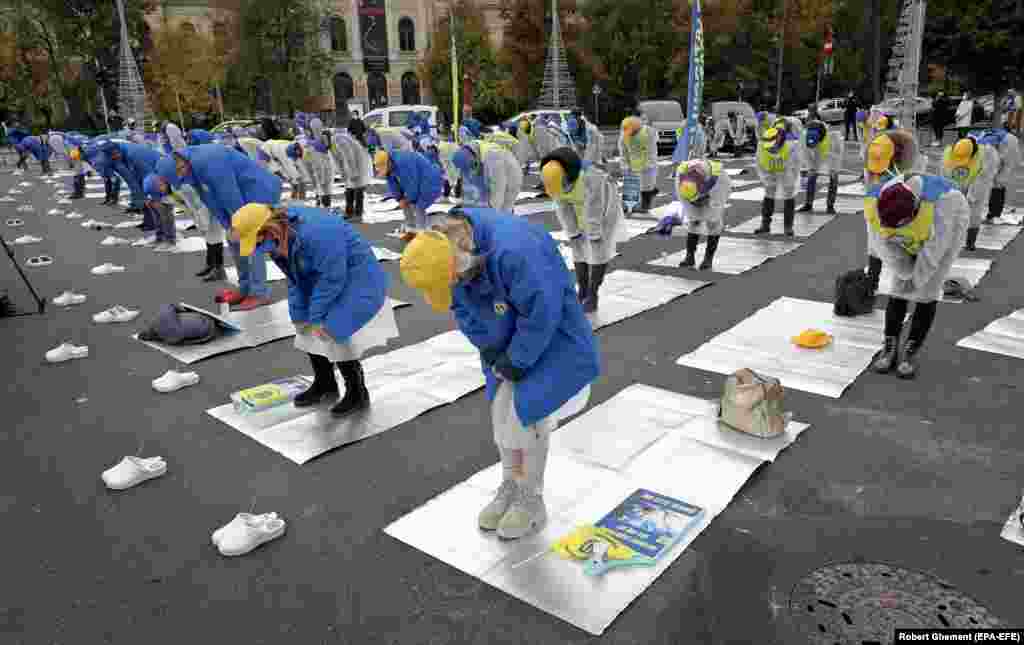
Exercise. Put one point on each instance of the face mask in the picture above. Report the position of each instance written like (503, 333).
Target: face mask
(266, 246)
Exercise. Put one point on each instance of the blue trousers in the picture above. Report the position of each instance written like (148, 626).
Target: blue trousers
(112, 186)
(252, 273)
(163, 220)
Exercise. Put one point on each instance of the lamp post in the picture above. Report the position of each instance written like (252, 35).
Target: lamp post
(782, 51)
(597, 93)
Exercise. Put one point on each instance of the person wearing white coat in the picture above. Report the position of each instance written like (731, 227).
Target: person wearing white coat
(173, 137)
(703, 189)
(491, 175)
(638, 149)
(352, 158)
(824, 152)
(282, 165)
(536, 141)
(587, 140)
(778, 166)
(313, 156)
(972, 167)
(1008, 147)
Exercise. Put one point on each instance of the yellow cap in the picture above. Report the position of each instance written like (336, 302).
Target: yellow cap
(381, 162)
(963, 150)
(525, 125)
(812, 339)
(631, 125)
(688, 190)
(428, 264)
(247, 222)
(881, 152)
(75, 154)
(553, 176)
(882, 123)
(770, 135)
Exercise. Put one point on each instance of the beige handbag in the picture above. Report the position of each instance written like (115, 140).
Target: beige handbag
(752, 403)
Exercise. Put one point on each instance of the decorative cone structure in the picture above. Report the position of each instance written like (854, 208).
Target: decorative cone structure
(905, 64)
(131, 92)
(559, 88)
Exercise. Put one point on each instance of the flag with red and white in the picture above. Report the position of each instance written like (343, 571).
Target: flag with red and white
(828, 60)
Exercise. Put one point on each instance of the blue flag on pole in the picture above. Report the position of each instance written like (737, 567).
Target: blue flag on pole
(695, 86)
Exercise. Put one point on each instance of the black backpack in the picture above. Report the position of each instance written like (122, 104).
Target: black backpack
(854, 295)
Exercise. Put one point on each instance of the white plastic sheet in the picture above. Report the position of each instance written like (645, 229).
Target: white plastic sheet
(585, 479)
(274, 274)
(735, 255)
(1013, 530)
(762, 342)
(804, 224)
(996, 237)
(625, 294)
(1002, 336)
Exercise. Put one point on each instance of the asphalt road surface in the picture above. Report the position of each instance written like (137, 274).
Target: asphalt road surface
(918, 474)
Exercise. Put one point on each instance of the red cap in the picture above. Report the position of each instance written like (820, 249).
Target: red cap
(897, 205)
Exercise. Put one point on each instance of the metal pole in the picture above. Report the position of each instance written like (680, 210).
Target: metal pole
(782, 49)
(876, 25)
(817, 90)
(181, 116)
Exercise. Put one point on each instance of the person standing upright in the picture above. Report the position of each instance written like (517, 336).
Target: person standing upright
(850, 117)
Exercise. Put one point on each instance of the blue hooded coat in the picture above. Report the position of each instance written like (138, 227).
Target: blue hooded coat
(415, 178)
(35, 145)
(199, 137)
(227, 180)
(334, 279)
(136, 162)
(522, 310)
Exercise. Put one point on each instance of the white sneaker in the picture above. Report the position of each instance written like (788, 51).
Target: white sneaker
(26, 208)
(173, 381)
(132, 471)
(246, 532)
(238, 519)
(116, 314)
(55, 211)
(87, 223)
(526, 515)
(26, 184)
(164, 247)
(7, 198)
(74, 214)
(144, 241)
(66, 352)
(106, 269)
(68, 298)
(28, 239)
(15, 191)
(112, 240)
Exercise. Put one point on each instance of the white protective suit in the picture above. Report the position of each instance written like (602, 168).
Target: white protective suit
(352, 159)
(319, 165)
(591, 216)
(542, 141)
(641, 156)
(593, 151)
(779, 171)
(252, 148)
(395, 138)
(707, 218)
(503, 176)
(277, 150)
(187, 198)
(174, 137)
(976, 189)
(1009, 160)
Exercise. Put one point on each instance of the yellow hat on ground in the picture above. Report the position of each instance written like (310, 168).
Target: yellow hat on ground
(75, 154)
(381, 162)
(428, 264)
(553, 176)
(246, 222)
(963, 151)
(631, 125)
(812, 339)
(881, 152)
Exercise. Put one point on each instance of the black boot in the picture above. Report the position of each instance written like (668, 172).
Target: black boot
(324, 384)
(767, 209)
(833, 192)
(996, 202)
(582, 280)
(972, 237)
(360, 194)
(907, 367)
(709, 252)
(692, 240)
(79, 187)
(885, 360)
(350, 198)
(874, 273)
(209, 261)
(788, 215)
(596, 278)
(812, 188)
(357, 397)
(217, 273)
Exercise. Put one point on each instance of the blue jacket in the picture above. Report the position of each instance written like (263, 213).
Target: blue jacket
(414, 178)
(523, 309)
(227, 180)
(198, 137)
(136, 162)
(334, 278)
(35, 145)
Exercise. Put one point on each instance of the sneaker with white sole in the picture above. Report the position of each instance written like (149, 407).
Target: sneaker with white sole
(173, 381)
(113, 240)
(68, 298)
(107, 269)
(247, 532)
(26, 208)
(116, 314)
(74, 215)
(55, 211)
(7, 198)
(238, 519)
(490, 516)
(526, 515)
(66, 352)
(63, 202)
(132, 471)
(144, 241)
(28, 239)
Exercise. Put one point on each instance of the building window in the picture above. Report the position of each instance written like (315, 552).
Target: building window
(406, 35)
(343, 93)
(410, 89)
(188, 27)
(377, 89)
(339, 37)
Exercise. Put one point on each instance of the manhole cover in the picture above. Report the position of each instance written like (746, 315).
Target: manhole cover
(861, 604)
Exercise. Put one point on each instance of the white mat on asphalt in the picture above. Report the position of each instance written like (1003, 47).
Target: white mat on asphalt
(970, 269)
(628, 230)
(674, 447)
(274, 274)
(1002, 336)
(995, 237)
(534, 208)
(1013, 530)
(762, 343)
(735, 255)
(804, 224)
(625, 294)
(403, 384)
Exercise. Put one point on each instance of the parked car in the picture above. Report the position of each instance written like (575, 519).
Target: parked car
(532, 115)
(894, 106)
(666, 116)
(225, 126)
(735, 111)
(829, 110)
(397, 116)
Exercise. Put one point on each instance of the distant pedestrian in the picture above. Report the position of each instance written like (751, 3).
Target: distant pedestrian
(940, 117)
(850, 117)
(964, 115)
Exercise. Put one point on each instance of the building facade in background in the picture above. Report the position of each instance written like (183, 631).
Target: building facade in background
(376, 45)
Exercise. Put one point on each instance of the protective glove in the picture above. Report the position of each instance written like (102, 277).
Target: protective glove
(666, 224)
(505, 370)
(320, 147)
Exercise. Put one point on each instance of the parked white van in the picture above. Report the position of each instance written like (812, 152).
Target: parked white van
(397, 116)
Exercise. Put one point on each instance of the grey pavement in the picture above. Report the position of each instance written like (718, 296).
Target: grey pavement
(917, 474)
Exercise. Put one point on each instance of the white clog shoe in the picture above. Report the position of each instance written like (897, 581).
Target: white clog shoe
(87, 223)
(164, 247)
(55, 211)
(26, 184)
(113, 240)
(28, 239)
(26, 208)
(66, 352)
(74, 214)
(132, 471)
(63, 202)
(107, 269)
(7, 198)
(116, 314)
(144, 241)
(246, 532)
(68, 298)
(173, 381)
(14, 221)
(15, 191)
